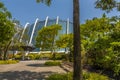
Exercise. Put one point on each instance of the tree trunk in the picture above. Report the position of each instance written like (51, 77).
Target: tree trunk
(5, 52)
(53, 49)
(13, 56)
(77, 73)
(70, 55)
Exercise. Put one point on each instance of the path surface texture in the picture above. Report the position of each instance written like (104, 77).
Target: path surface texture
(28, 70)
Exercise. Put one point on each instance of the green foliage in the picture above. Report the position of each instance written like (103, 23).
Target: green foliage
(86, 76)
(65, 41)
(45, 55)
(60, 77)
(6, 30)
(94, 76)
(59, 56)
(33, 56)
(18, 57)
(101, 42)
(9, 62)
(108, 5)
(6, 26)
(52, 63)
(46, 37)
(47, 2)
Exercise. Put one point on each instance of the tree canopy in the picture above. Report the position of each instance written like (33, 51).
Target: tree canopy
(46, 37)
(101, 41)
(6, 29)
(108, 5)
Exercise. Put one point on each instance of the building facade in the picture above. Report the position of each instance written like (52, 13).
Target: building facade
(32, 29)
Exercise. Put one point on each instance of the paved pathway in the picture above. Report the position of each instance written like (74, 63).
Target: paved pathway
(27, 70)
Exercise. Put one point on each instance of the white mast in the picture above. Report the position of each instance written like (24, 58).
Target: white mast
(33, 31)
(24, 31)
(68, 26)
(57, 20)
(46, 21)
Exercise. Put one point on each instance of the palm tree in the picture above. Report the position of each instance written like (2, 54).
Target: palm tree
(77, 74)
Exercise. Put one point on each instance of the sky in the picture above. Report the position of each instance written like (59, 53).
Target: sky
(28, 10)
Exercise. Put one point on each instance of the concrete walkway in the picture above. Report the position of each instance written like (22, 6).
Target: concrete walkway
(28, 70)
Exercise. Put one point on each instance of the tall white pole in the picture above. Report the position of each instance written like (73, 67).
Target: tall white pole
(24, 31)
(68, 26)
(46, 21)
(33, 31)
(57, 20)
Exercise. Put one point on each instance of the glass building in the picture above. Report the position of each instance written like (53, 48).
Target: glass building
(32, 30)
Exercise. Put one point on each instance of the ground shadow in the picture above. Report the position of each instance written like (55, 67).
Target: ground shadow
(36, 65)
(23, 75)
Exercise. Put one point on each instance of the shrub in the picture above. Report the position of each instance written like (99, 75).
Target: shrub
(86, 76)
(9, 62)
(60, 77)
(37, 56)
(18, 57)
(94, 76)
(58, 56)
(31, 56)
(52, 63)
(19, 53)
(45, 55)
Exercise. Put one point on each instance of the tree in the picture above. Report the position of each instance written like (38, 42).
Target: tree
(16, 44)
(95, 34)
(66, 41)
(6, 30)
(45, 39)
(77, 74)
(108, 5)
(102, 42)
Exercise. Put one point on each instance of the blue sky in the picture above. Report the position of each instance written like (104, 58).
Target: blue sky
(29, 10)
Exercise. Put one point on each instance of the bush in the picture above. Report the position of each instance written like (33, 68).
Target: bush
(31, 56)
(86, 76)
(9, 62)
(60, 77)
(58, 56)
(18, 57)
(52, 63)
(94, 76)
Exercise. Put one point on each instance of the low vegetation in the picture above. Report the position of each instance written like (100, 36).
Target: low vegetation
(56, 76)
(8, 61)
(52, 63)
(33, 56)
(86, 76)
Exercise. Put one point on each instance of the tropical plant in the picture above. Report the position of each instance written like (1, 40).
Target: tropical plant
(6, 30)
(66, 41)
(101, 40)
(46, 37)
